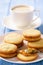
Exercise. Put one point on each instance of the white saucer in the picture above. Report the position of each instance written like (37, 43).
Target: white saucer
(11, 25)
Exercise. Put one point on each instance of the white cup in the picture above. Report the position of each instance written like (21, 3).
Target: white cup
(22, 15)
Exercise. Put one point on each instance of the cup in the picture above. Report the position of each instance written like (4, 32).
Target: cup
(22, 15)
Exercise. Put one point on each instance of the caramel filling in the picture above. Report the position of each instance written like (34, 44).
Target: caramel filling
(28, 52)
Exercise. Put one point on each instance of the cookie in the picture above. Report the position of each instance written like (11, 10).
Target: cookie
(8, 55)
(27, 58)
(8, 50)
(37, 44)
(14, 38)
(27, 54)
(32, 35)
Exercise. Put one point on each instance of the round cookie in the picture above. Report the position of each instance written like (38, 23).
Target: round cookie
(7, 48)
(32, 35)
(37, 44)
(27, 54)
(14, 38)
(27, 58)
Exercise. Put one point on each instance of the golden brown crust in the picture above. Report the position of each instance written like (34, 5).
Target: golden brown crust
(13, 38)
(37, 44)
(32, 36)
(31, 32)
(8, 55)
(7, 48)
(32, 39)
(28, 58)
(35, 47)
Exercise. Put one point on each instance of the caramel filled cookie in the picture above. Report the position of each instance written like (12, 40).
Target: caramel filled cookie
(27, 54)
(37, 44)
(8, 50)
(32, 35)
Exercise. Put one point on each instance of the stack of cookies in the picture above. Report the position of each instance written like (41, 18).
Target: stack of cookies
(34, 39)
(13, 42)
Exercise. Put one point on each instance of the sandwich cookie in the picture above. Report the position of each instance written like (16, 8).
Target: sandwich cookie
(37, 44)
(8, 50)
(32, 35)
(14, 38)
(29, 54)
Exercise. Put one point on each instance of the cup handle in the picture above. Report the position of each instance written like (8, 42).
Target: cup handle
(38, 12)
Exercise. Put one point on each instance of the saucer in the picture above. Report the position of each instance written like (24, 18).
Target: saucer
(11, 25)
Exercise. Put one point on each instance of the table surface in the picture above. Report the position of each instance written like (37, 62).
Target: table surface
(5, 6)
